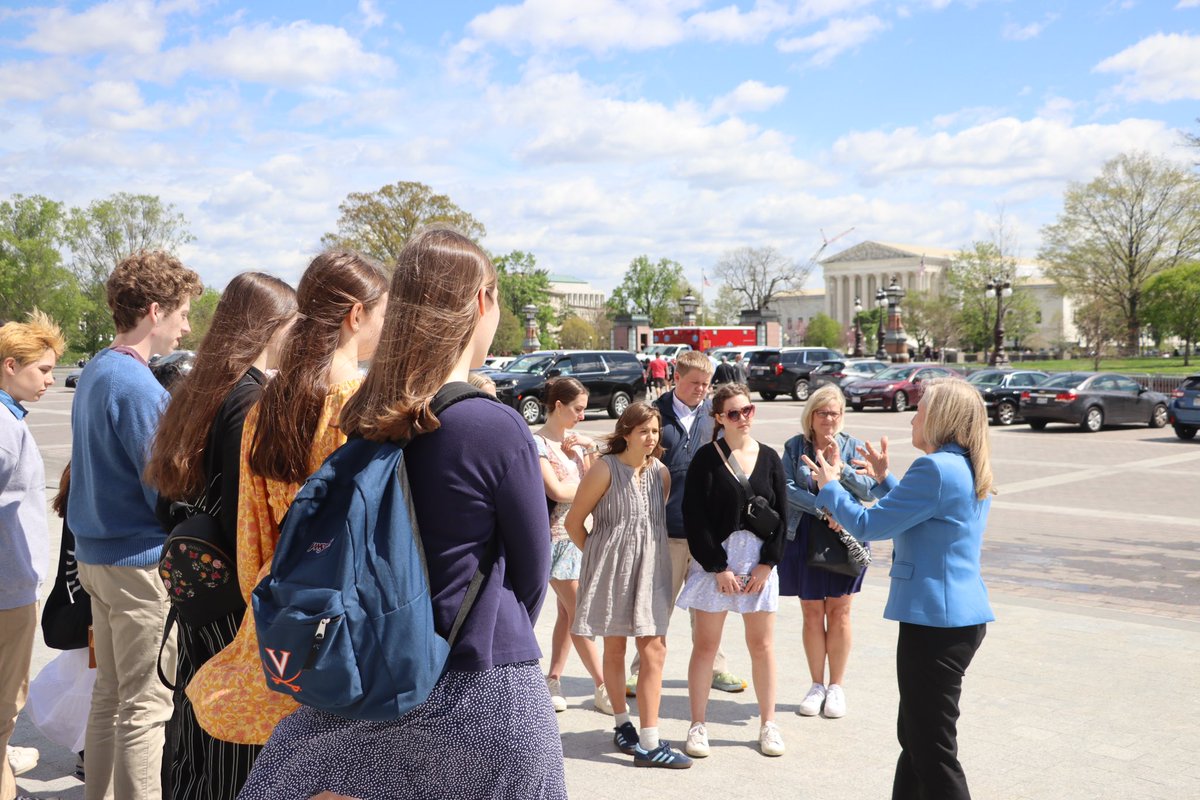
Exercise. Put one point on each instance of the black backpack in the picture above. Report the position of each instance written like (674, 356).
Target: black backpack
(200, 577)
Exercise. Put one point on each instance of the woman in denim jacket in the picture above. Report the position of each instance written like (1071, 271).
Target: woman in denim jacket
(824, 596)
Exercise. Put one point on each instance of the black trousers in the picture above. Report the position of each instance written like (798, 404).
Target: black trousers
(930, 664)
(201, 767)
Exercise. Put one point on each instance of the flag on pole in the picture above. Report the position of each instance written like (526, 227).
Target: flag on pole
(703, 279)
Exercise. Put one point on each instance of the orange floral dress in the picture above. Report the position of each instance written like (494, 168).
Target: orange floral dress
(229, 693)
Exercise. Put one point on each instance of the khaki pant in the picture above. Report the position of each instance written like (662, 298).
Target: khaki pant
(681, 559)
(130, 706)
(17, 626)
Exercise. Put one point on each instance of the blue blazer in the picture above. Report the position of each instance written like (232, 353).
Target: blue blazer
(679, 448)
(937, 524)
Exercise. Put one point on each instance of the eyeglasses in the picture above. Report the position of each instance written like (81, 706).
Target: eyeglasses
(829, 414)
(736, 414)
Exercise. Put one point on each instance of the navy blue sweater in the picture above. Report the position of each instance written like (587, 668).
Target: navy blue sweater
(680, 448)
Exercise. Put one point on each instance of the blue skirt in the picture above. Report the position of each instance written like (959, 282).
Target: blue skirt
(798, 579)
(489, 734)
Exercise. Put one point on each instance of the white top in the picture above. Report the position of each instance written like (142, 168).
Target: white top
(686, 415)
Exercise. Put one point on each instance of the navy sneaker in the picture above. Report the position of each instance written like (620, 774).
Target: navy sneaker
(626, 738)
(662, 756)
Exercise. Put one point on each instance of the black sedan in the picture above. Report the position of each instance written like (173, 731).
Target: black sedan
(1001, 390)
(1091, 401)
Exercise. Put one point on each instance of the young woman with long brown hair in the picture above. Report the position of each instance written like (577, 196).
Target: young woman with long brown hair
(195, 460)
(486, 729)
(285, 437)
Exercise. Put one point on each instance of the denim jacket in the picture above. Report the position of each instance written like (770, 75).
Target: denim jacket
(800, 499)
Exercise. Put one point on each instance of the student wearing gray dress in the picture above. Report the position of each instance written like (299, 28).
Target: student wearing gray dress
(625, 578)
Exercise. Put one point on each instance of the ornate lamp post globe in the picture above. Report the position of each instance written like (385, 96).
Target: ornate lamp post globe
(689, 304)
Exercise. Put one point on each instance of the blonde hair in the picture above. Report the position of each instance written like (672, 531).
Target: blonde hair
(482, 382)
(827, 395)
(954, 412)
(26, 342)
(689, 360)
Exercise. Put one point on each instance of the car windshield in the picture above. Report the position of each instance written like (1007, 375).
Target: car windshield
(1067, 381)
(895, 373)
(828, 367)
(986, 378)
(1192, 383)
(530, 364)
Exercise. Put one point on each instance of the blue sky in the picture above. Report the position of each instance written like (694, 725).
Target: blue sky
(592, 131)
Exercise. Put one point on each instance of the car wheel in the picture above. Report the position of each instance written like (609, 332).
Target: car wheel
(767, 395)
(800, 390)
(1159, 418)
(900, 402)
(856, 406)
(619, 403)
(1006, 413)
(1185, 432)
(1093, 419)
(1037, 424)
(531, 410)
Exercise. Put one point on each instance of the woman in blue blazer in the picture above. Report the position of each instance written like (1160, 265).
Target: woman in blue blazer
(936, 514)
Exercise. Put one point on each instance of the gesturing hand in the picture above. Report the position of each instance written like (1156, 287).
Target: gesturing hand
(873, 463)
(824, 471)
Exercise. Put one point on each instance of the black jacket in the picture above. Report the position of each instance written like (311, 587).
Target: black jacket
(680, 447)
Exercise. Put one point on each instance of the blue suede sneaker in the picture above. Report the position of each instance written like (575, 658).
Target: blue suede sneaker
(663, 756)
(626, 738)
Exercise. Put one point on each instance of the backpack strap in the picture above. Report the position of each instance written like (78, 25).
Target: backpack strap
(454, 392)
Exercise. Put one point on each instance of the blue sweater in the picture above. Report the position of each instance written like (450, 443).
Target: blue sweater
(24, 543)
(115, 413)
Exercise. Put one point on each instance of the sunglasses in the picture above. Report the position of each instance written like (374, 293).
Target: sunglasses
(736, 414)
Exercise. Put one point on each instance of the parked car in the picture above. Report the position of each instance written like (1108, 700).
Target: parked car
(170, 368)
(786, 370)
(1091, 401)
(73, 378)
(715, 354)
(498, 362)
(1184, 410)
(898, 388)
(845, 371)
(613, 379)
(1001, 390)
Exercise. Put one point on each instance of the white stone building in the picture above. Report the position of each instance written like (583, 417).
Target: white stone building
(573, 294)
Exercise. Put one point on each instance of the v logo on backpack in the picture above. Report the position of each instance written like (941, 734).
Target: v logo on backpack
(345, 619)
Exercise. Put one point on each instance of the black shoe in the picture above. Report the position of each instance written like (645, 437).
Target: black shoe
(663, 756)
(626, 738)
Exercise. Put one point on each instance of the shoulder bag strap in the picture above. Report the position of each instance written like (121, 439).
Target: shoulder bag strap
(172, 615)
(485, 565)
(735, 468)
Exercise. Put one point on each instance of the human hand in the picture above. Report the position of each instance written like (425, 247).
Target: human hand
(758, 579)
(823, 470)
(873, 463)
(832, 523)
(727, 583)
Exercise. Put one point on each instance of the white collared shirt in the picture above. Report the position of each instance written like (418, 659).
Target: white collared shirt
(686, 415)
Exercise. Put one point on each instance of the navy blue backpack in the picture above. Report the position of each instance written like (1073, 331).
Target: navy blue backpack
(345, 619)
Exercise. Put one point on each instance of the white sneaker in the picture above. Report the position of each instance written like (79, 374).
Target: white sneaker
(556, 696)
(770, 739)
(601, 700)
(810, 706)
(697, 741)
(22, 759)
(835, 702)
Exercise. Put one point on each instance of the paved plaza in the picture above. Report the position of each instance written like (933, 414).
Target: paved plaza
(1086, 686)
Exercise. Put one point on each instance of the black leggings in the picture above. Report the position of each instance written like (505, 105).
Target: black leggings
(930, 664)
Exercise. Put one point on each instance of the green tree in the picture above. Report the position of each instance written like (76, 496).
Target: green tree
(824, 331)
(200, 318)
(380, 223)
(104, 233)
(1140, 216)
(725, 309)
(523, 283)
(577, 333)
(510, 333)
(651, 289)
(1098, 322)
(933, 320)
(758, 274)
(1172, 304)
(967, 278)
(31, 267)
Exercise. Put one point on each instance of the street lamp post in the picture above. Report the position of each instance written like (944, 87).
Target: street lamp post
(858, 334)
(531, 342)
(895, 335)
(689, 304)
(1001, 290)
(881, 302)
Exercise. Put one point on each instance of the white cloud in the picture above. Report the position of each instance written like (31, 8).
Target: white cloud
(297, 54)
(1159, 68)
(124, 26)
(595, 25)
(1020, 33)
(119, 106)
(32, 81)
(838, 37)
(1187, 4)
(1003, 152)
(749, 96)
(372, 16)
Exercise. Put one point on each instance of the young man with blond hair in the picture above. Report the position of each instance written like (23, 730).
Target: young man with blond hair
(118, 539)
(687, 425)
(28, 352)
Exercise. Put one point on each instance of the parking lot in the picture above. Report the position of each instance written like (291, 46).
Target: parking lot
(1082, 689)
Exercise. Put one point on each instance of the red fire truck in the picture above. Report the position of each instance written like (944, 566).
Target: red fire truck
(706, 338)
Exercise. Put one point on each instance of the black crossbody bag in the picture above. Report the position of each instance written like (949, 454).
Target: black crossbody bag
(758, 515)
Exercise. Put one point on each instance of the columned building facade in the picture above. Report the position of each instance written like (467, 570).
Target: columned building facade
(862, 270)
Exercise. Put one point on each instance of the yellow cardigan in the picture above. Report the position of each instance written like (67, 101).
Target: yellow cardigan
(229, 693)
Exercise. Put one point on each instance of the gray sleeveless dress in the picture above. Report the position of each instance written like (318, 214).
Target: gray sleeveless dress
(625, 579)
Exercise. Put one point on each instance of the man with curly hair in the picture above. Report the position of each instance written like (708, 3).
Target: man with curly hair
(118, 538)
(28, 352)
